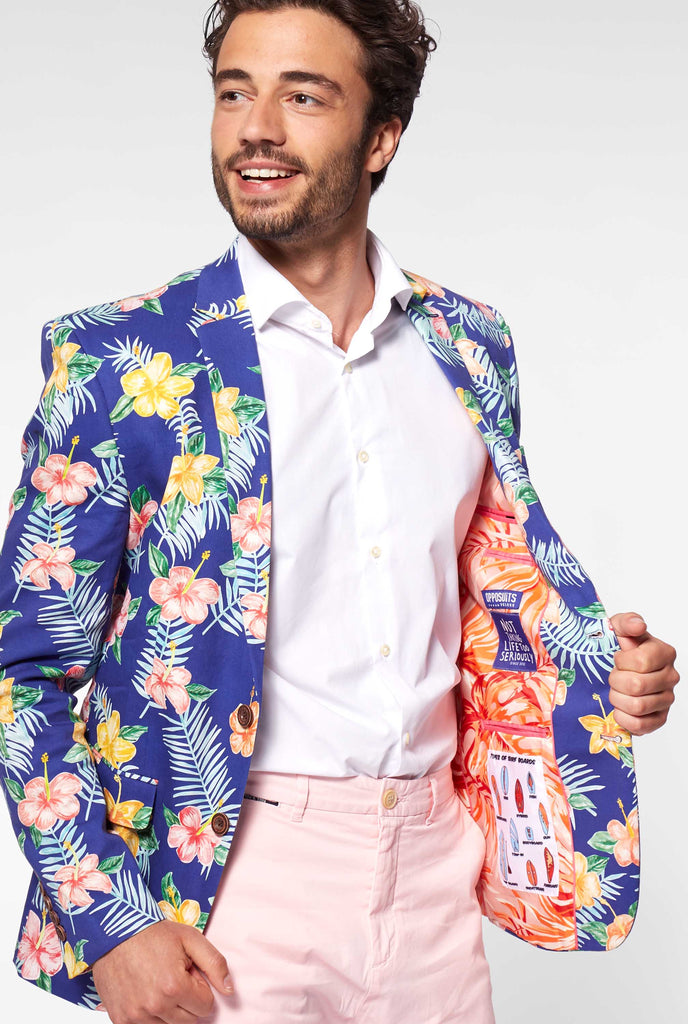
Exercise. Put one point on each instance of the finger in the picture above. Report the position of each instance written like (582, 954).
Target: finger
(197, 997)
(640, 726)
(641, 707)
(642, 684)
(650, 656)
(179, 1015)
(209, 960)
(630, 629)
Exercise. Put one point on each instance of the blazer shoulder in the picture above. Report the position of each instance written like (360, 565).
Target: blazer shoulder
(479, 320)
(140, 314)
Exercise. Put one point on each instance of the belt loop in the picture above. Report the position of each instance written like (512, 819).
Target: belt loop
(300, 798)
(433, 799)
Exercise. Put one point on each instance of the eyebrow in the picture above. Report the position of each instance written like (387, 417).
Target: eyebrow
(301, 77)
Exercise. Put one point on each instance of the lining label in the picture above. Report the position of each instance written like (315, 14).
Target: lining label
(528, 856)
(514, 653)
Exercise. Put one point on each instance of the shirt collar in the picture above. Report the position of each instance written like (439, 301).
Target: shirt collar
(268, 292)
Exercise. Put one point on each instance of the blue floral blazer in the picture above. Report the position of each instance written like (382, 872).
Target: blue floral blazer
(136, 566)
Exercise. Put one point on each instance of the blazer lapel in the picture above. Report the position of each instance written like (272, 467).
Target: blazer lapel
(222, 323)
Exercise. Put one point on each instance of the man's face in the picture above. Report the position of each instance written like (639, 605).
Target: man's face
(288, 134)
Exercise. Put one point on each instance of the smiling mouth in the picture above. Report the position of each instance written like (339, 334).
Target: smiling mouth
(264, 174)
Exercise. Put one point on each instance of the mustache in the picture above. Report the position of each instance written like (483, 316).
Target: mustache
(277, 156)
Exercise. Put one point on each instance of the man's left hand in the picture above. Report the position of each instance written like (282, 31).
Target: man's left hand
(643, 678)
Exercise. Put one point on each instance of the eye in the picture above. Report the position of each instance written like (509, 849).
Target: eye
(302, 99)
(230, 95)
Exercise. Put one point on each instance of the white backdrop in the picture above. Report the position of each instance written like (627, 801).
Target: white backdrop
(544, 172)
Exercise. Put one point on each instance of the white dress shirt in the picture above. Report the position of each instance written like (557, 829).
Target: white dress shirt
(376, 470)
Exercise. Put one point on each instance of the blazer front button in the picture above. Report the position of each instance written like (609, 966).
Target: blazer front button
(244, 716)
(219, 823)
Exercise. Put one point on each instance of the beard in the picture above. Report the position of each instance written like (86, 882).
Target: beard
(329, 194)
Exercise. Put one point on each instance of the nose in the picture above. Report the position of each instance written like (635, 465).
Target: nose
(263, 123)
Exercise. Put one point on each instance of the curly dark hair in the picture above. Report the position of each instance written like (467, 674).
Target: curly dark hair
(393, 37)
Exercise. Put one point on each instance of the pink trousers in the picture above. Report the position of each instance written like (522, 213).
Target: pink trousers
(352, 899)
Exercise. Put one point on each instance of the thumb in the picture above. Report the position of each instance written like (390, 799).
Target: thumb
(630, 629)
(209, 960)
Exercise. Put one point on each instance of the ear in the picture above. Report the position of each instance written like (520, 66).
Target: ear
(383, 145)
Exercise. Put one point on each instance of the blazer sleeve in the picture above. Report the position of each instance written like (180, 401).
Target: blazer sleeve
(59, 565)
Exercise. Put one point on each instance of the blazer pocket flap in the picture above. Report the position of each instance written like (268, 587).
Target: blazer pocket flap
(129, 798)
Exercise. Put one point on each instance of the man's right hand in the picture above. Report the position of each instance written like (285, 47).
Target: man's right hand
(156, 976)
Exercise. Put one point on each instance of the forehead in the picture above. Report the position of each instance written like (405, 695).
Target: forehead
(267, 43)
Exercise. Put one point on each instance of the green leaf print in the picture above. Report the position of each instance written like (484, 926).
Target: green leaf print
(170, 817)
(43, 981)
(6, 617)
(15, 790)
(175, 510)
(158, 562)
(42, 451)
(581, 802)
(597, 864)
(48, 403)
(567, 675)
(196, 445)
(84, 567)
(111, 865)
(506, 426)
(36, 837)
(133, 733)
(214, 482)
(216, 384)
(247, 409)
(527, 493)
(82, 367)
(38, 503)
(139, 498)
(25, 697)
(593, 611)
(153, 306)
(106, 450)
(187, 370)
(76, 753)
(198, 692)
(142, 817)
(602, 841)
(18, 498)
(153, 616)
(597, 930)
(123, 409)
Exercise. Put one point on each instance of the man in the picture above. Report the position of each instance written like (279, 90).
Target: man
(137, 559)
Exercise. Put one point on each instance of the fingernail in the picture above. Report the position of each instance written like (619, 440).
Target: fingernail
(228, 985)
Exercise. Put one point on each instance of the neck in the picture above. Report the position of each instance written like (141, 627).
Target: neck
(331, 271)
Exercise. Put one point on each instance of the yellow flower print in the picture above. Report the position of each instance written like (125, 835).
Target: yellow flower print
(605, 733)
(187, 476)
(120, 815)
(154, 388)
(114, 749)
(74, 967)
(189, 912)
(241, 304)
(226, 419)
(470, 405)
(6, 709)
(588, 887)
(60, 375)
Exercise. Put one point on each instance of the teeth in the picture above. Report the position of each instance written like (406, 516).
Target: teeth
(265, 172)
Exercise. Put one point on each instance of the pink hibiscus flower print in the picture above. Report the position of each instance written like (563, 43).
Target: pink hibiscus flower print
(46, 801)
(73, 675)
(252, 524)
(50, 561)
(78, 878)
(39, 951)
(626, 836)
(136, 301)
(255, 615)
(168, 683)
(138, 521)
(439, 323)
(118, 617)
(192, 837)
(181, 595)
(62, 480)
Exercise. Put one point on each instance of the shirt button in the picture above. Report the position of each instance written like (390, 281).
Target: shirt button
(316, 324)
(389, 799)
(219, 823)
(407, 739)
(363, 457)
(348, 368)
(376, 551)
(385, 651)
